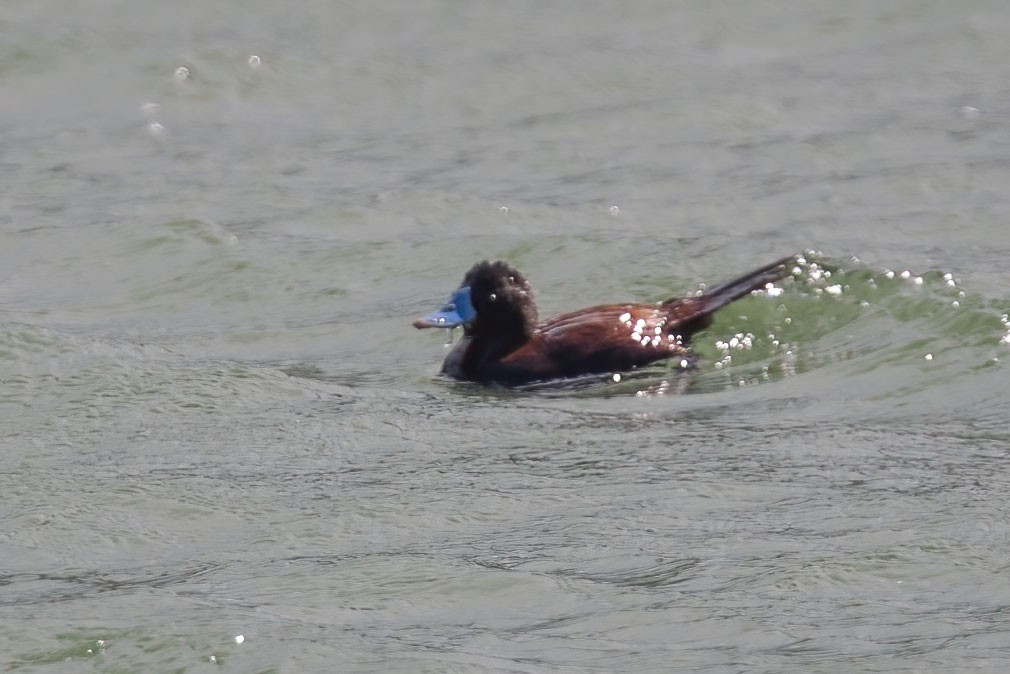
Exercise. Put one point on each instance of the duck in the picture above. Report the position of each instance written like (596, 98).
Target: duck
(505, 344)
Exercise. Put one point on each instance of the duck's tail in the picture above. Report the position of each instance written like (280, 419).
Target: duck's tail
(695, 313)
(716, 298)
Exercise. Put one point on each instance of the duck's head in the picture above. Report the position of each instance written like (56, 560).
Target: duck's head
(493, 299)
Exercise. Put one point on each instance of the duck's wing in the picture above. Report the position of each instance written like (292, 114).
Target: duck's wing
(635, 333)
(601, 339)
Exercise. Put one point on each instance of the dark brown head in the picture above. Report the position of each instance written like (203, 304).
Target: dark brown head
(494, 299)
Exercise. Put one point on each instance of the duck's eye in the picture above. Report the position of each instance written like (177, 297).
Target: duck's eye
(512, 280)
(493, 297)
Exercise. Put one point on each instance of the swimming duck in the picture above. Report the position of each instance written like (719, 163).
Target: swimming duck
(503, 342)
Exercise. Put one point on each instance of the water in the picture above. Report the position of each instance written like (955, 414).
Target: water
(217, 422)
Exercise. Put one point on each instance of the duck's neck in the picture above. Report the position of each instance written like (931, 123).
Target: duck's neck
(482, 347)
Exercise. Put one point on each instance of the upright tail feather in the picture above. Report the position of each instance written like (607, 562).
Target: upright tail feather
(721, 295)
